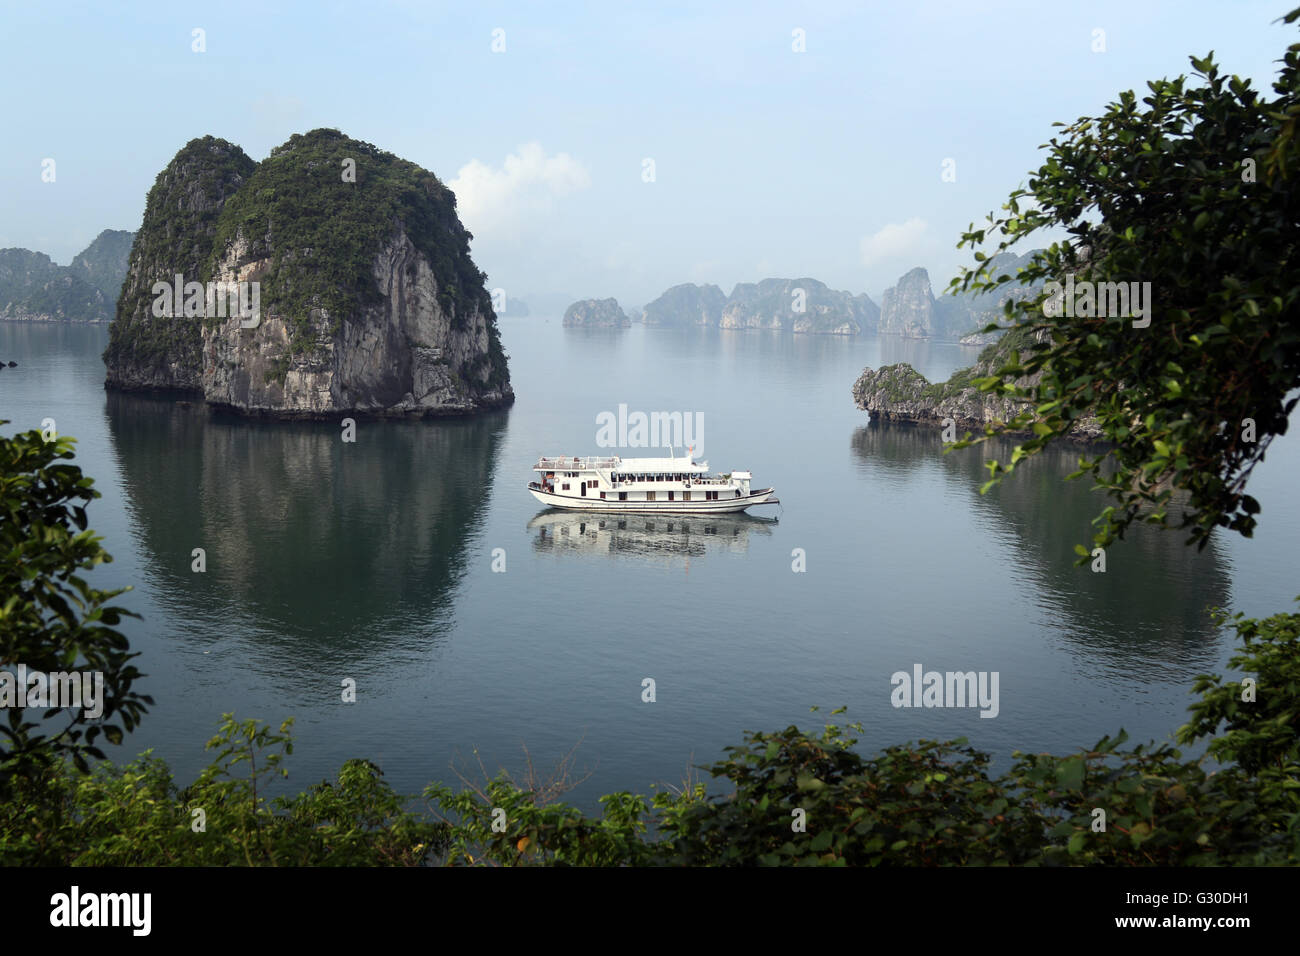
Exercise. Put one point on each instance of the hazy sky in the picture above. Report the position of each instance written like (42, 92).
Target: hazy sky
(767, 161)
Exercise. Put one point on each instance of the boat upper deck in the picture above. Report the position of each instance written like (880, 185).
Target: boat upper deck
(637, 466)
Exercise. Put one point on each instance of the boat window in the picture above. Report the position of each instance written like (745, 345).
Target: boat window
(564, 487)
(622, 496)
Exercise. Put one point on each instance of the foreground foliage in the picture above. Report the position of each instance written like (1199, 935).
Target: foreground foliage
(1195, 191)
(136, 815)
(51, 619)
(795, 798)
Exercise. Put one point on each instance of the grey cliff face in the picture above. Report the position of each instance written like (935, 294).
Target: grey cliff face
(907, 308)
(402, 357)
(798, 305)
(104, 262)
(911, 309)
(148, 352)
(22, 273)
(685, 305)
(596, 314)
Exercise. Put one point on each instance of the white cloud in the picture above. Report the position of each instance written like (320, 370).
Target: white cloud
(894, 241)
(527, 183)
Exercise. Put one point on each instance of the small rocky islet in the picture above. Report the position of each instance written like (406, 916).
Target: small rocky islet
(900, 394)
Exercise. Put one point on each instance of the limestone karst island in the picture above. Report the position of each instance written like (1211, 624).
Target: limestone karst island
(369, 301)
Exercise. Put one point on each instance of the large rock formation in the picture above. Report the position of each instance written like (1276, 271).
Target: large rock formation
(104, 262)
(686, 304)
(596, 314)
(369, 302)
(22, 272)
(899, 393)
(911, 309)
(34, 288)
(908, 308)
(798, 305)
(147, 351)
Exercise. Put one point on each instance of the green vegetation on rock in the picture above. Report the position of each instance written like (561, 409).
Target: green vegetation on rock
(104, 262)
(32, 286)
(322, 232)
(51, 618)
(175, 237)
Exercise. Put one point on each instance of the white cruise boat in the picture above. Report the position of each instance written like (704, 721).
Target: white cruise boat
(673, 486)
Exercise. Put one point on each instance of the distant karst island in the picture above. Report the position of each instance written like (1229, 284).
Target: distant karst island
(33, 288)
(596, 314)
(909, 308)
(331, 277)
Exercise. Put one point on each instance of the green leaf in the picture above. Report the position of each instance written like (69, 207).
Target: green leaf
(1069, 774)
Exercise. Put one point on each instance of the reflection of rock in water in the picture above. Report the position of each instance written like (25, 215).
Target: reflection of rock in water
(661, 536)
(1152, 600)
(321, 543)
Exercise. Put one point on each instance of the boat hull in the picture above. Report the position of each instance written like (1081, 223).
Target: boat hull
(765, 496)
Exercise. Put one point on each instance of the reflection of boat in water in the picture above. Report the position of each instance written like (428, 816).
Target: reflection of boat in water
(651, 535)
(644, 486)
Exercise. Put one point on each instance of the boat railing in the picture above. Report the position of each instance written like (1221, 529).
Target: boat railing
(612, 464)
(574, 464)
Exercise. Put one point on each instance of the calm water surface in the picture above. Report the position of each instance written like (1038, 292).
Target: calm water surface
(373, 561)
